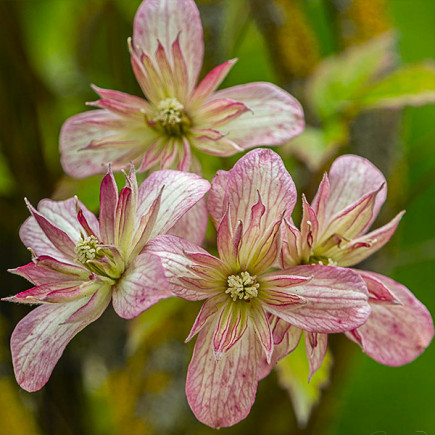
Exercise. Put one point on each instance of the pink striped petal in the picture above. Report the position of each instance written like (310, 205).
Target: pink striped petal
(44, 270)
(291, 252)
(216, 113)
(165, 21)
(309, 229)
(261, 171)
(224, 147)
(108, 204)
(39, 340)
(193, 224)
(232, 323)
(141, 286)
(79, 131)
(334, 298)
(350, 178)
(274, 118)
(179, 271)
(221, 393)
(287, 344)
(180, 193)
(362, 247)
(394, 334)
(211, 81)
(59, 238)
(209, 308)
(316, 346)
(258, 318)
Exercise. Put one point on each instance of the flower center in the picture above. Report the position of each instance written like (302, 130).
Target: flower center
(242, 286)
(172, 117)
(322, 260)
(88, 248)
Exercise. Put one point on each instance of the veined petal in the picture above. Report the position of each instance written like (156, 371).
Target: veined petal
(214, 143)
(362, 247)
(209, 308)
(39, 340)
(334, 298)
(39, 294)
(291, 251)
(80, 130)
(394, 334)
(165, 21)
(258, 318)
(141, 286)
(218, 112)
(179, 268)
(274, 118)
(260, 172)
(316, 346)
(289, 337)
(309, 229)
(221, 393)
(228, 241)
(350, 222)
(181, 192)
(211, 81)
(123, 98)
(232, 323)
(193, 224)
(45, 269)
(64, 215)
(55, 235)
(320, 199)
(350, 178)
(108, 205)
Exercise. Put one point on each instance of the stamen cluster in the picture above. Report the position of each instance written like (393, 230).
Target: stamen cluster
(88, 248)
(242, 286)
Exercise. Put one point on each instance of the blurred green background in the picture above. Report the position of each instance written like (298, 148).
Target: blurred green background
(120, 377)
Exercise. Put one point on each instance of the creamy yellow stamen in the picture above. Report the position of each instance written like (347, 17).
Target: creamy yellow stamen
(242, 286)
(171, 112)
(88, 248)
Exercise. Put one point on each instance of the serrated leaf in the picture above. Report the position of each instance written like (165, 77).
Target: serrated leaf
(339, 79)
(412, 85)
(293, 374)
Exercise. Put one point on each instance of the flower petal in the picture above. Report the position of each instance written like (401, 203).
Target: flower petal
(211, 81)
(316, 346)
(232, 323)
(221, 393)
(141, 286)
(179, 267)
(334, 299)
(59, 238)
(275, 116)
(39, 340)
(193, 224)
(82, 130)
(165, 20)
(181, 192)
(362, 247)
(44, 269)
(394, 334)
(350, 178)
(214, 143)
(260, 172)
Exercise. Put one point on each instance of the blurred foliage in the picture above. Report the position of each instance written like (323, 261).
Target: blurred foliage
(350, 62)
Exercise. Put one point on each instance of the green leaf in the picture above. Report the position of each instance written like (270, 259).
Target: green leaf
(293, 374)
(339, 79)
(412, 85)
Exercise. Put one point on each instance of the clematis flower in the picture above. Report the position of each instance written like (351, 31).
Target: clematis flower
(81, 263)
(243, 293)
(334, 232)
(166, 56)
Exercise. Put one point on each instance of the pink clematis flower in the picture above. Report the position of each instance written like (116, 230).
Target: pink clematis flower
(81, 263)
(334, 232)
(243, 294)
(166, 55)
